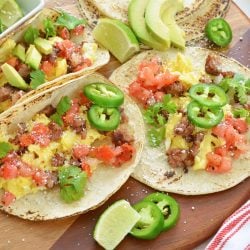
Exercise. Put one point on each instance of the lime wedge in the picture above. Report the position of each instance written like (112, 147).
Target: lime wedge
(114, 224)
(10, 12)
(117, 37)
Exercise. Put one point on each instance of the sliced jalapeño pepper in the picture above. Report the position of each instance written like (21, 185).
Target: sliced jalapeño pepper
(104, 119)
(151, 222)
(219, 31)
(202, 116)
(209, 95)
(168, 206)
(104, 95)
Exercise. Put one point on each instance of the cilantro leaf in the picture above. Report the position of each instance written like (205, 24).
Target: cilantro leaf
(31, 34)
(2, 27)
(72, 182)
(63, 105)
(68, 21)
(168, 105)
(49, 28)
(37, 78)
(156, 136)
(242, 113)
(57, 119)
(5, 148)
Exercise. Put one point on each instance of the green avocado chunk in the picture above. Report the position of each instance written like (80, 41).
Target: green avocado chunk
(33, 57)
(44, 46)
(136, 16)
(13, 77)
(6, 49)
(19, 52)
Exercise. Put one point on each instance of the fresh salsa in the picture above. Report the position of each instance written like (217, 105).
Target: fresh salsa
(201, 116)
(61, 146)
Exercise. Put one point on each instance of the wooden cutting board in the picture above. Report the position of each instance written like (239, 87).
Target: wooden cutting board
(201, 216)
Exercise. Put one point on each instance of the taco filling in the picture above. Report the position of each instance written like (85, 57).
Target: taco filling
(202, 117)
(43, 53)
(63, 145)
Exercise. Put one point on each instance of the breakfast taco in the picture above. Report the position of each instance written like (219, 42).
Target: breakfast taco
(191, 16)
(68, 149)
(49, 48)
(196, 111)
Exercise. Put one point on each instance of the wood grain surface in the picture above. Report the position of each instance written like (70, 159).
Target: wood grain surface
(201, 216)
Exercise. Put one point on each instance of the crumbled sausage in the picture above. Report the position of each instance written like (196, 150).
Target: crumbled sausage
(57, 160)
(212, 65)
(184, 128)
(6, 92)
(55, 131)
(175, 89)
(180, 158)
(48, 110)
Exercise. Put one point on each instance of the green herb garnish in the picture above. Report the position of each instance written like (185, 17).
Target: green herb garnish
(2, 27)
(242, 113)
(63, 105)
(57, 119)
(37, 78)
(5, 148)
(72, 181)
(30, 35)
(155, 136)
(49, 28)
(68, 21)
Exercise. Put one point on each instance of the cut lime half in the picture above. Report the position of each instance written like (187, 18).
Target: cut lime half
(10, 12)
(114, 224)
(117, 37)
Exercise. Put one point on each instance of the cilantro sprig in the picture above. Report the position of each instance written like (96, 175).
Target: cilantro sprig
(37, 78)
(68, 21)
(49, 28)
(5, 148)
(2, 27)
(31, 34)
(242, 113)
(155, 136)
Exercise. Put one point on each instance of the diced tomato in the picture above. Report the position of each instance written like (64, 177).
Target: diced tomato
(105, 153)
(80, 151)
(165, 79)
(48, 68)
(9, 171)
(140, 93)
(64, 33)
(13, 61)
(68, 118)
(78, 30)
(125, 155)
(40, 177)
(220, 130)
(24, 170)
(87, 169)
(66, 48)
(26, 140)
(238, 124)
(83, 100)
(7, 198)
(41, 134)
(217, 163)
(86, 63)
(159, 96)
(154, 65)
(222, 150)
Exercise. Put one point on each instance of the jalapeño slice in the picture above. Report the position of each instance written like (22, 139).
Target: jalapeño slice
(219, 31)
(104, 95)
(202, 116)
(151, 222)
(209, 95)
(104, 119)
(168, 206)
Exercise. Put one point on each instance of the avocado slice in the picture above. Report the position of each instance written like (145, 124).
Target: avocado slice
(6, 49)
(33, 57)
(44, 46)
(13, 77)
(136, 13)
(177, 35)
(19, 52)
(153, 14)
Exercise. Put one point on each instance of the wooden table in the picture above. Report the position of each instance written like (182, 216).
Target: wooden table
(201, 215)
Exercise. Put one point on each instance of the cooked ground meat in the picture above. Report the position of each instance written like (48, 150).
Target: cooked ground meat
(228, 74)
(180, 158)
(52, 180)
(79, 124)
(169, 173)
(56, 131)
(197, 139)
(74, 162)
(48, 110)
(205, 79)
(124, 118)
(21, 129)
(24, 70)
(120, 137)
(16, 95)
(184, 128)
(212, 65)
(57, 160)
(5, 92)
(175, 89)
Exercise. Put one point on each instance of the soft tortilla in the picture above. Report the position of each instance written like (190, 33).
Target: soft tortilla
(46, 205)
(102, 55)
(153, 164)
(192, 19)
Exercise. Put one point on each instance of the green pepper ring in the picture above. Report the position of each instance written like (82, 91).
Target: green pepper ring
(145, 231)
(193, 111)
(218, 99)
(164, 201)
(104, 95)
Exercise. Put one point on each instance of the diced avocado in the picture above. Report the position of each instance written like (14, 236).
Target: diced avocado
(33, 57)
(43, 46)
(3, 79)
(55, 39)
(6, 49)
(61, 67)
(177, 35)
(19, 52)
(13, 77)
(153, 13)
(136, 16)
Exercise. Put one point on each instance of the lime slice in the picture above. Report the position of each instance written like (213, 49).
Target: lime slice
(117, 37)
(114, 224)
(10, 12)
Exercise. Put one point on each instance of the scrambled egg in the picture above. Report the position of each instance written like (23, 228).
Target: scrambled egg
(179, 142)
(38, 118)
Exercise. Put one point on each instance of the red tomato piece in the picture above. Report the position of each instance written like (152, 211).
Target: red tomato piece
(83, 100)
(48, 68)
(87, 169)
(125, 155)
(68, 118)
(154, 65)
(222, 150)
(40, 177)
(9, 171)
(25, 170)
(238, 124)
(78, 30)
(165, 79)
(66, 48)
(41, 134)
(158, 96)
(64, 33)
(26, 140)
(7, 198)
(218, 164)
(105, 153)
(80, 151)
(13, 61)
